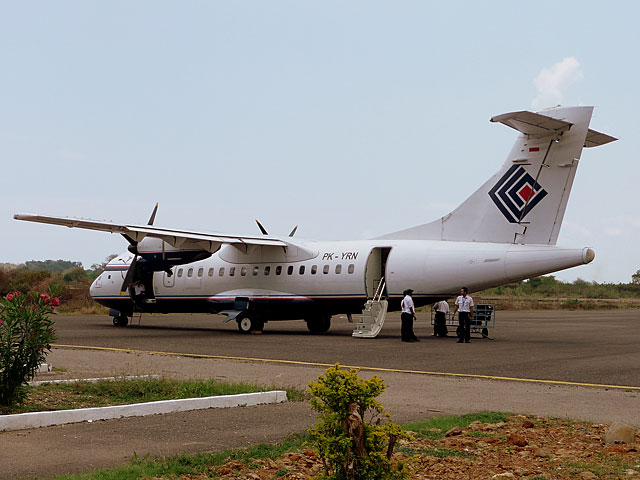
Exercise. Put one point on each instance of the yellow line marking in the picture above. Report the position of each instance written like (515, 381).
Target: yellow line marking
(365, 368)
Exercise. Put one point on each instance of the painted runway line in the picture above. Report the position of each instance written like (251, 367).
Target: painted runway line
(361, 367)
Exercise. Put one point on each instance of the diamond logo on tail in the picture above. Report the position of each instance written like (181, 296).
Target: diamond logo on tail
(516, 194)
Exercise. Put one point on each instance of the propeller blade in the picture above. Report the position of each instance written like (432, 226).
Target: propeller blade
(130, 240)
(128, 278)
(262, 229)
(293, 232)
(153, 215)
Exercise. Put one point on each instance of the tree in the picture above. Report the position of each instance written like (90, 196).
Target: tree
(635, 278)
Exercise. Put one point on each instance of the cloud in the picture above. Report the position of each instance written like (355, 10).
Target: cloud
(552, 83)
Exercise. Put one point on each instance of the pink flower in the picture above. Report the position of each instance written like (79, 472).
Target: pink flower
(45, 297)
(55, 302)
(17, 293)
(9, 296)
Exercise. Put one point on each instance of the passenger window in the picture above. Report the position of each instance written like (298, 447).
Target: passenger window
(243, 271)
(200, 271)
(338, 269)
(325, 269)
(290, 270)
(351, 268)
(278, 269)
(221, 271)
(109, 277)
(179, 272)
(190, 273)
(267, 270)
(232, 271)
(255, 270)
(210, 273)
(314, 269)
(301, 270)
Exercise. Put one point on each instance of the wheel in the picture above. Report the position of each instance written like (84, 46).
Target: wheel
(459, 331)
(120, 321)
(485, 332)
(245, 325)
(319, 324)
(248, 325)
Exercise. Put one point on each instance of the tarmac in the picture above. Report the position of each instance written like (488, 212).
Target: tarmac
(581, 365)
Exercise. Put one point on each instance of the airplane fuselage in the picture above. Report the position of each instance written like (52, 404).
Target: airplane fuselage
(328, 278)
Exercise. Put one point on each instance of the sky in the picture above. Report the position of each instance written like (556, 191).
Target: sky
(349, 119)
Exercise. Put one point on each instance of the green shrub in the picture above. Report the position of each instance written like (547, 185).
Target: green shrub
(26, 331)
(354, 437)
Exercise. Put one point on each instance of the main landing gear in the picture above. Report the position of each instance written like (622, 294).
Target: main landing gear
(121, 320)
(248, 325)
(319, 324)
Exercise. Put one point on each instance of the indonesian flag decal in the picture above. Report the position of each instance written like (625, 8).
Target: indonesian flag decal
(516, 194)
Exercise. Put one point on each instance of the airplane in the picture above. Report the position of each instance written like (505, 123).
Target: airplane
(506, 231)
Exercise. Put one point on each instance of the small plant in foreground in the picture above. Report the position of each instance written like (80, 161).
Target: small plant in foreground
(349, 446)
(26, 332)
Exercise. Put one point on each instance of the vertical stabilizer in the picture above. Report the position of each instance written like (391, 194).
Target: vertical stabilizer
(525, 201)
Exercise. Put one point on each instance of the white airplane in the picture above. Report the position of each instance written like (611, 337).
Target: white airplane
(504, 232)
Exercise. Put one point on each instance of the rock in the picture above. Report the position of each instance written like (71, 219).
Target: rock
(453, 432)
(543, 452)
(528, 424)
(518, 440)
(620, 433)
(498, 476)
(587, 475)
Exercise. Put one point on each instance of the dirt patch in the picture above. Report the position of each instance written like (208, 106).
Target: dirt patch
(522, 447)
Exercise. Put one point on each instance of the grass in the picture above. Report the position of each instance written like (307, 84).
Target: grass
(435, 428)
(126, 391)
(192, 464)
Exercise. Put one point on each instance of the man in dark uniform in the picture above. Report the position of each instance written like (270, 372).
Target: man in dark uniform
(407, 317)
(464, 304)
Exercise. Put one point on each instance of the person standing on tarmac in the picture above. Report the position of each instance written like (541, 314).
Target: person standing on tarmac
(407, 317)
(440, 324)
(464, 304)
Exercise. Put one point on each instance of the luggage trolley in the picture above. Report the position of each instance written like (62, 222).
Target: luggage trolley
(484, 318)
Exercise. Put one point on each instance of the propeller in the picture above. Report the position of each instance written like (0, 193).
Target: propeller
(133, 248)
(262, 229)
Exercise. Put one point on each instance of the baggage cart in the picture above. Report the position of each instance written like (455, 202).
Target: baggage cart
(484, 318)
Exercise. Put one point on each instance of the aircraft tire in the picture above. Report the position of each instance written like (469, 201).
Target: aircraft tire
(248, 325)
(121, 321)
(320, 324)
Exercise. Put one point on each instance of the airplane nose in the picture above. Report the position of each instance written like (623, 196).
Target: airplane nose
(588, 255)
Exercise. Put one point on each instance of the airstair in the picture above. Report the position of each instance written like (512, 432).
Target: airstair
(373, 314)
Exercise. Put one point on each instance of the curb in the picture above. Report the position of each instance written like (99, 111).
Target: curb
(22, 421)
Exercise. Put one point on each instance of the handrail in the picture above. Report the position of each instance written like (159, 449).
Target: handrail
(378, 288)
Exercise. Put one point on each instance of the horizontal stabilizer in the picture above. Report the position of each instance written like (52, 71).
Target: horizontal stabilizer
(595, 139)
(533, 124)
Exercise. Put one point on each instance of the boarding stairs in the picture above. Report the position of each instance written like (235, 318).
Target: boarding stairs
(373, 314)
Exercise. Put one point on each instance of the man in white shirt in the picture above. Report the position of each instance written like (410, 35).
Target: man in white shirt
(464, 304)
(440, 323)
(407, 317)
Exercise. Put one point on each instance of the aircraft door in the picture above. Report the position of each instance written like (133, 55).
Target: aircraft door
(169, 280)
(375, 270)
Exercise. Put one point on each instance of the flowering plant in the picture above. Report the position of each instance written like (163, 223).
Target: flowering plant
(26, 333)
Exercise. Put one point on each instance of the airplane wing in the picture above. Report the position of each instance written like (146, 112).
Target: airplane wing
(175, 238)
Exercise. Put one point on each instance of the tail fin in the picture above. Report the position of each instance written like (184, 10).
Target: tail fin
(525, 201)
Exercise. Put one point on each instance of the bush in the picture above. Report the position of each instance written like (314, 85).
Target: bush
(26, 332)
(351, 447)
